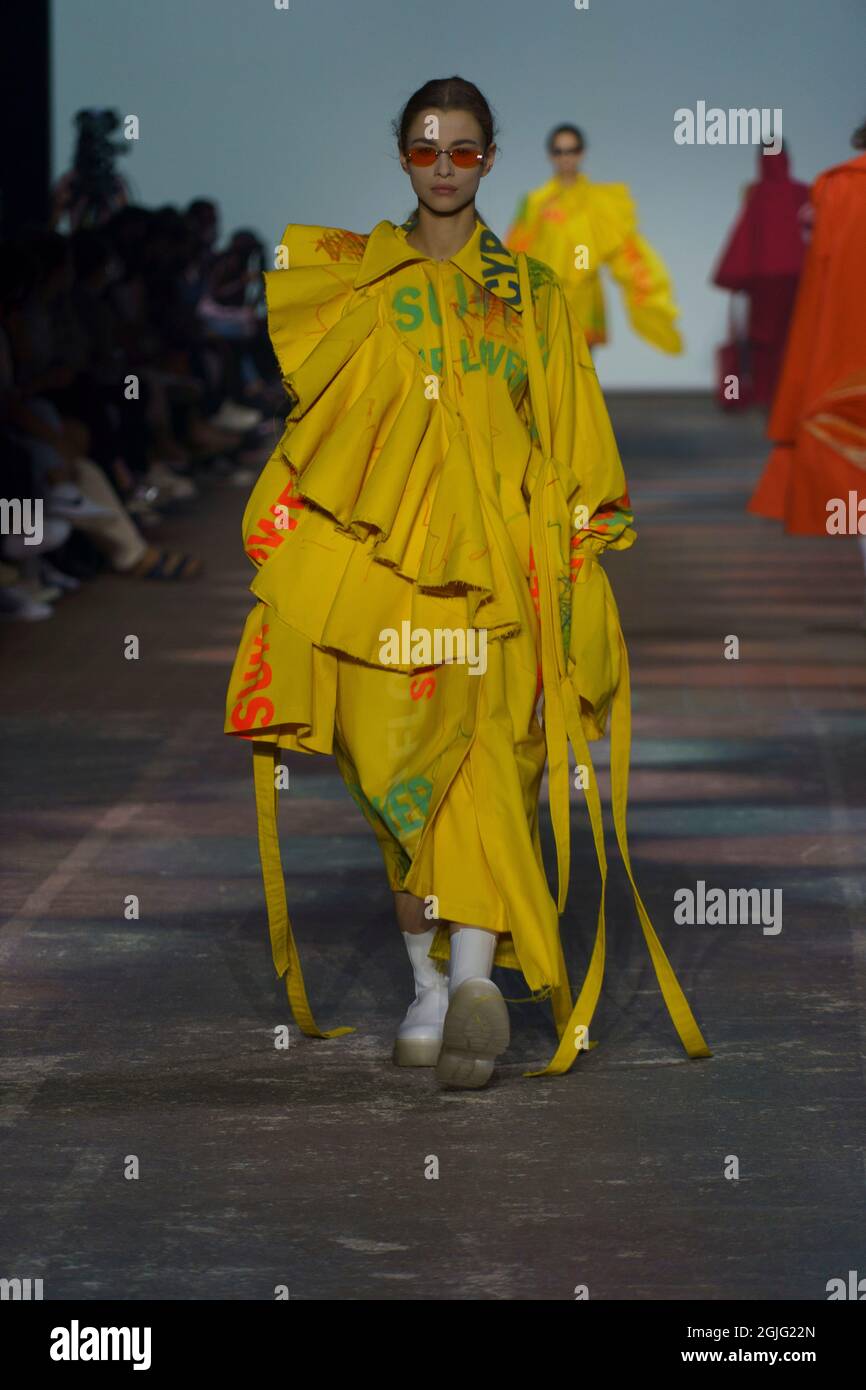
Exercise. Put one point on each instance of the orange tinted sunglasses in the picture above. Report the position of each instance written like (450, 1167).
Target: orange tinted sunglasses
(425, 155)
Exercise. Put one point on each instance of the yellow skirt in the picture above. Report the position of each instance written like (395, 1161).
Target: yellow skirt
(462, 834)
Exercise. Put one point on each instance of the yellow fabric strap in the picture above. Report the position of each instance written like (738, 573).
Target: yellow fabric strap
(563, 724)
(574, 1036)
(620, 743)
(561, 719)
(285, 953)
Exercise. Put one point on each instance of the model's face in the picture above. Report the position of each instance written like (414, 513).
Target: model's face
(566, 155)
(441, 186)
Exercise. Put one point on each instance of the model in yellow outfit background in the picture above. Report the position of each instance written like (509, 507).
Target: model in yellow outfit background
(448, 469)
(576, 227)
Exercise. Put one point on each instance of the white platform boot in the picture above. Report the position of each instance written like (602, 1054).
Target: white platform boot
(419, 1037)
(476, 1027)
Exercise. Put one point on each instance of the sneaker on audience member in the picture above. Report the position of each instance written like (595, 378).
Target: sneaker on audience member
(67, 500)
(39, 591)
(232, 416)
(174, 486)
(16, 605)
(55, 530)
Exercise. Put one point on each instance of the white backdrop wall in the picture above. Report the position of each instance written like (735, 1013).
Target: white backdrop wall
(284, 114)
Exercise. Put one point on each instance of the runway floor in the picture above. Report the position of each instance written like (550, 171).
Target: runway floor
(306, 1167)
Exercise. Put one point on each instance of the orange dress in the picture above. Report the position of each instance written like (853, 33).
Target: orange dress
(818, 421)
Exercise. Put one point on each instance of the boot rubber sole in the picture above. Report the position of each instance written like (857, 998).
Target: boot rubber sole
(417, 1052)
(476, 1031)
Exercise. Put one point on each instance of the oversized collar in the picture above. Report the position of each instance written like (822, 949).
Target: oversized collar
(483, 258)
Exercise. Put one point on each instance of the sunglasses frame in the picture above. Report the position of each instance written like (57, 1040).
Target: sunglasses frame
(476, 155)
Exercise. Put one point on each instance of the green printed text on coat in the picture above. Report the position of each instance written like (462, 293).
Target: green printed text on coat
(404, 809)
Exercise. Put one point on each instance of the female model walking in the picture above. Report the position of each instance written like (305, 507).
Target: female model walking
(426, 540)
(577, 226)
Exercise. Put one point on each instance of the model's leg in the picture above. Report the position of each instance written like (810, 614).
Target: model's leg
(464, 926)
(410, 913)
(472, 952)
(419, 1038)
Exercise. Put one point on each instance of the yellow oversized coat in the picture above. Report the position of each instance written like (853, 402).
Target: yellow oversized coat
(576, 228)
(447, 465)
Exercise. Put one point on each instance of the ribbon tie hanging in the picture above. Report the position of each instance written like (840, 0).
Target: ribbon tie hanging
(549, 512)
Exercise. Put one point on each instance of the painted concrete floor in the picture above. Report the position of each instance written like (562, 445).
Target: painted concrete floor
(306, 1167)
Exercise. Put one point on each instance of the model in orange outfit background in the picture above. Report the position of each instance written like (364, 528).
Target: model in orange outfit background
(818, 420)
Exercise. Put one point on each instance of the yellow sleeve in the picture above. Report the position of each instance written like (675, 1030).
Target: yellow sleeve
(582, 435)
(646, 288)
